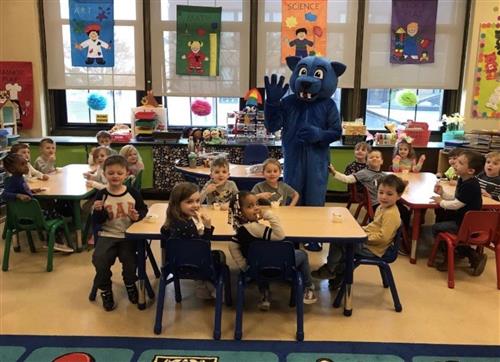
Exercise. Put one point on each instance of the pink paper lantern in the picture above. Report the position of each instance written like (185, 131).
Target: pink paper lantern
(201, 108)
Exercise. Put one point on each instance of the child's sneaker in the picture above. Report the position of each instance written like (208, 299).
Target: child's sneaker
(335, 283)
(133, 294)
(265, 303)
(323, 273)
(108, 301)
(63, 248)
(309, 296)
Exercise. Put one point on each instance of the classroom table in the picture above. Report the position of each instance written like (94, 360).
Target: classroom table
(301, 224)
(417, 197)
(67, 183)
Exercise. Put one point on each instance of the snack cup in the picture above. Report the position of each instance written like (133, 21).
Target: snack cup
(151, 218)
(275, 204)
(224, 206)
(216, 206)
(406, 172)
(337, 217)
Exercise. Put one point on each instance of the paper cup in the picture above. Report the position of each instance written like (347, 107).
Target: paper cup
(275, 204)
(337, 217)
(151, 218)
(216, 206)
(224, 206)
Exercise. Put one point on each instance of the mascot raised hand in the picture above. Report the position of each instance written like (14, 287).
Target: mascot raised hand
(309, 120)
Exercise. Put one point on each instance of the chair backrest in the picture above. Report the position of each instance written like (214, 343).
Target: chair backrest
(271, 260)
(353, 191)
(190, 259)
(25, 215)
(255, 153)
(391, 254)
(479, 227)
(137, 182)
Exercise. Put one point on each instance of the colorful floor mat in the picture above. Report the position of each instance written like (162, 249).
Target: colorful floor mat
(110, 349)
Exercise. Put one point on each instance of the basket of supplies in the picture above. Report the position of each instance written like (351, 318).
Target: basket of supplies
(418, 131)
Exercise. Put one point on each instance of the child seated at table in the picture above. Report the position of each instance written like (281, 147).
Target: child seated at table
(467, 197)
(96, 178)
(103, 139)
(185, 220)
(115, 208)
(489, 179)
(452, 157)
(380, 232)
(219, 189)
(244, 215)
(46, 162)
(16, 188)
(405, 159)
(361, 151)
(133, 158)
(23, 149)
(272, 189)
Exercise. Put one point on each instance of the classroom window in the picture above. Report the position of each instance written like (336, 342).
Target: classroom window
(382, 107)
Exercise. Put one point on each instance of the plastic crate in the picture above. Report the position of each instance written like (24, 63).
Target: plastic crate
(419, 131)
(351, 140)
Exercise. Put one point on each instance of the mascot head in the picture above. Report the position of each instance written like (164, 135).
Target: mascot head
(314, 77)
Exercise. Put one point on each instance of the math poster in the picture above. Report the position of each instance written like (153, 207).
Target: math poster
(198, 40)
(486, 96)
(16, 91)
(413, 31)
(303, 28)
(91, 27)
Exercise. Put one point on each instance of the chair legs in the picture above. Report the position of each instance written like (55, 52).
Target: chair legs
(240, 298)
(299, 308)
(6, 252)
(152, 260)
(497, 260)
(451, 264)
(50, 251)
(394, 291)
(218, 308)
(160, 301)
(30, 241)
(432, 256)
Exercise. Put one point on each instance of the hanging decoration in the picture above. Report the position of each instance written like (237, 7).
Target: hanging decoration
(413, 31)
(16, 88)
(91, 28)
(198, 40)
(486, 96)
(303, 28)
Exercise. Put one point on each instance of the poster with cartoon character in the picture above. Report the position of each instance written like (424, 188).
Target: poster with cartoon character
(16, 85)
(486, 96)
(303, 28)
(413, 31)
(198, 40)
(91, 28)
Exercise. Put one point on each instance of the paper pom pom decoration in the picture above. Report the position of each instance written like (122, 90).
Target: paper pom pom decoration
(201, 108)
(407, 98)
(96, 102)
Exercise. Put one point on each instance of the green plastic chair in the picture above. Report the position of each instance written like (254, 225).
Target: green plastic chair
(27, 216)
(135, 182)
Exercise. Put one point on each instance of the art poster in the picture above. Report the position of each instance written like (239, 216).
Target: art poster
(198, 40)
(303, 28)
(413, 31)
(486, 96)
(16, 86)
(91, 28)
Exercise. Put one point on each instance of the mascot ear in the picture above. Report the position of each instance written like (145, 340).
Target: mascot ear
(292, 62)
(339, 68)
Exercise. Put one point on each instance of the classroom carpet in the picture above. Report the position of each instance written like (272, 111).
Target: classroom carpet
(125, 349)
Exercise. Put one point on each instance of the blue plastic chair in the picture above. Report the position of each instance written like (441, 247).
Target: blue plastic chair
(192, 259)
(270, 262)
(389, 257)
(255, 153)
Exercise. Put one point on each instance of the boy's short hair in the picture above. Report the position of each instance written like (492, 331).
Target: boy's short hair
(271, 161)
(115, 160)
(363, 145)
(455, 152)
(300, 30)
(219, 162)
(393, 181)
(374, 150)
(494, 155)
(102, 134)
(475, 160)
(19, 146)
(47, 140)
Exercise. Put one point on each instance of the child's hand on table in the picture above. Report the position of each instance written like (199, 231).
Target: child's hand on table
(437, 199)
(205, 219)
(44, 177)
(438, 189)
(23, 197)
(133, 215)
(485, 193)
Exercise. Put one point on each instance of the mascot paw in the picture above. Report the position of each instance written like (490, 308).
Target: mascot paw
(309, 134)
(275, 89)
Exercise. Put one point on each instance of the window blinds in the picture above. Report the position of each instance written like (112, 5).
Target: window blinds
(128, 72)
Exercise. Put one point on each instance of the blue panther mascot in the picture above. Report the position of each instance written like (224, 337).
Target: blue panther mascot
(309, 120)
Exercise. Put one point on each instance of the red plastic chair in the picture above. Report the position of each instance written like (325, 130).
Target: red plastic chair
(367, 204)
(479, 228)
(354, 198)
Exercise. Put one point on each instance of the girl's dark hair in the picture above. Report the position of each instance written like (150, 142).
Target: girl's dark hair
(411, 152)
(11, 163)
(179, 193)
(235, 206)
(393, 181)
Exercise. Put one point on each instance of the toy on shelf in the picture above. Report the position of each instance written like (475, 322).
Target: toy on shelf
(249, 122)
(353, 132)
(121, 133)
(148, 119)
(387, 138)
(453, 127)
(418, 131)
(9, 113)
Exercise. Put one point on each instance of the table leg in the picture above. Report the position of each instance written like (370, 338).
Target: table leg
(415, 234)
(77, 218)
(141, 273)
(349, 271)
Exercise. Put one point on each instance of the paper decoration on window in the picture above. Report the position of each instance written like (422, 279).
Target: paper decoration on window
(91, 27)
(198, 40)
(486, 96)
(413, 31)
(16, 86)
(303, 28)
